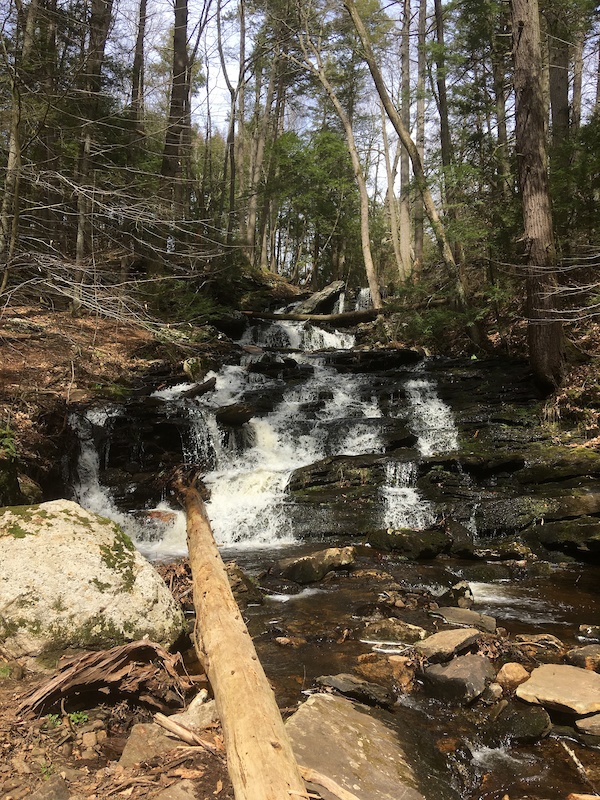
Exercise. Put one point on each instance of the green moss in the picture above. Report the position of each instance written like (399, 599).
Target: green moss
(100, 585)
(120, 557)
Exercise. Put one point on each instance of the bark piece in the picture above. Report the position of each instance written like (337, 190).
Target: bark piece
(143, 669)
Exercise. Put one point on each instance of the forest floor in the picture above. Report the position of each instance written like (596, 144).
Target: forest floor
(49, 360)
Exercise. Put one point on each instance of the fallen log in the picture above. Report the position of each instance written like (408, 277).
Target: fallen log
(344, 320)
(260, 760)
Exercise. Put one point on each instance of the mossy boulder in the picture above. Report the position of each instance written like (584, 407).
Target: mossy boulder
(411, 544)
(72, 579)
(577, 537)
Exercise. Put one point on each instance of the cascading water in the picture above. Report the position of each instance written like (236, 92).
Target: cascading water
(322, 412)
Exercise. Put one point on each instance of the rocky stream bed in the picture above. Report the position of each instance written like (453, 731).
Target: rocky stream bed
(471, 630)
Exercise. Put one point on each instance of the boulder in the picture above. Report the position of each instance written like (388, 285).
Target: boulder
(393, 631)
(462, 680)
(578, 537)
(336, 738)
(459, 595)
(73, 579)
(589, 725)
(518, 723)
(585, 657)
(564, 688)
(412, 544)
(147, 740)
(392, 670)
(512, 675)
(323, 298)
(466, 617)
(589, 633)
(314, 566)
(445, 645)
(371, 694)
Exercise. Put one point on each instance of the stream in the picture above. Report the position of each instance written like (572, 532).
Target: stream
(310, 442)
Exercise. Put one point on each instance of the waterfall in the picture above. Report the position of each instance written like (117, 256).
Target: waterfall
(363, 300)
(322, 412)
(403, 507)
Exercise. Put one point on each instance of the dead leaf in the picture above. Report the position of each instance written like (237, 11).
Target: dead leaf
(219, 788)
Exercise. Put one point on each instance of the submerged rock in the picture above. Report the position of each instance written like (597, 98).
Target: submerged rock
(73, 579)
(466, 617)
(314, 566)
(393, 630)
(518, 723)
(358, 689)
(585, 657)
(334, 737)
(564, 688)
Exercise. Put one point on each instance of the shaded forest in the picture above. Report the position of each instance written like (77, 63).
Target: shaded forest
(156, 156)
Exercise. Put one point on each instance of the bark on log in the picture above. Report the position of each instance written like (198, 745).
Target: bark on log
(260, 760)
(344, 320)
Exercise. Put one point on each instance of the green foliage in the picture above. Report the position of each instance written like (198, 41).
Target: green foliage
(52, 721)
(8, 446)
(78, 717)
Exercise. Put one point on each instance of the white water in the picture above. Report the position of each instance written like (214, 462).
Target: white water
(248, 503)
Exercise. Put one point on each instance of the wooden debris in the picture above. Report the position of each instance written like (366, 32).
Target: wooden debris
(260, 760)
(142, 670)
(312, 776)
(185, 734)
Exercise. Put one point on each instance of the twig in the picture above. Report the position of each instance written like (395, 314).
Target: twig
(185, 734)
(579, 766)
(326, 782)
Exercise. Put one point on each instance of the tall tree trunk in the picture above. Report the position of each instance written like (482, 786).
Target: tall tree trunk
(137, 81)
(391, 200)
(577, 79)
(558, 73)
(172, 152)
(11, 199)
(100, 22)
(405, 226)
(419, 212)
(545, 334)
(445, 138)
(396, 120)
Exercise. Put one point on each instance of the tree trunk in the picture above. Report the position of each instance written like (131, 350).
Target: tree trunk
(171, 162)
(391, 201)
(545, 334)
(417, 164)
(260, 760)
(419, 213)
(137, 79)
(405, 238)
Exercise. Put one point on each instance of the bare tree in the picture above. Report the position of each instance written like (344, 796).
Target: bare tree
(545, 334)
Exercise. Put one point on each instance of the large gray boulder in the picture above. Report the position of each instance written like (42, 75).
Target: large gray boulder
(69, 578)
(563, 687)
(332, 736)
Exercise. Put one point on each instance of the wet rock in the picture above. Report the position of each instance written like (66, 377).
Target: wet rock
(332, 736)
(393, 630)
(563, 687)
(74, 579)
(492, 693)
(235, 415)
(518, 723)
(459, 595)
(577, 537)
(445, 645)
(461, 681)
(371, 694)
(392, 670)
(466, 617)
(380, 360)
(589, 633)
(558, 463)
(506, 551)
(589, 725)
(540, 646)
(512, 675)
(315, 566)
(244, 588)
(585, 657)
(462, 540)
(413, 544)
